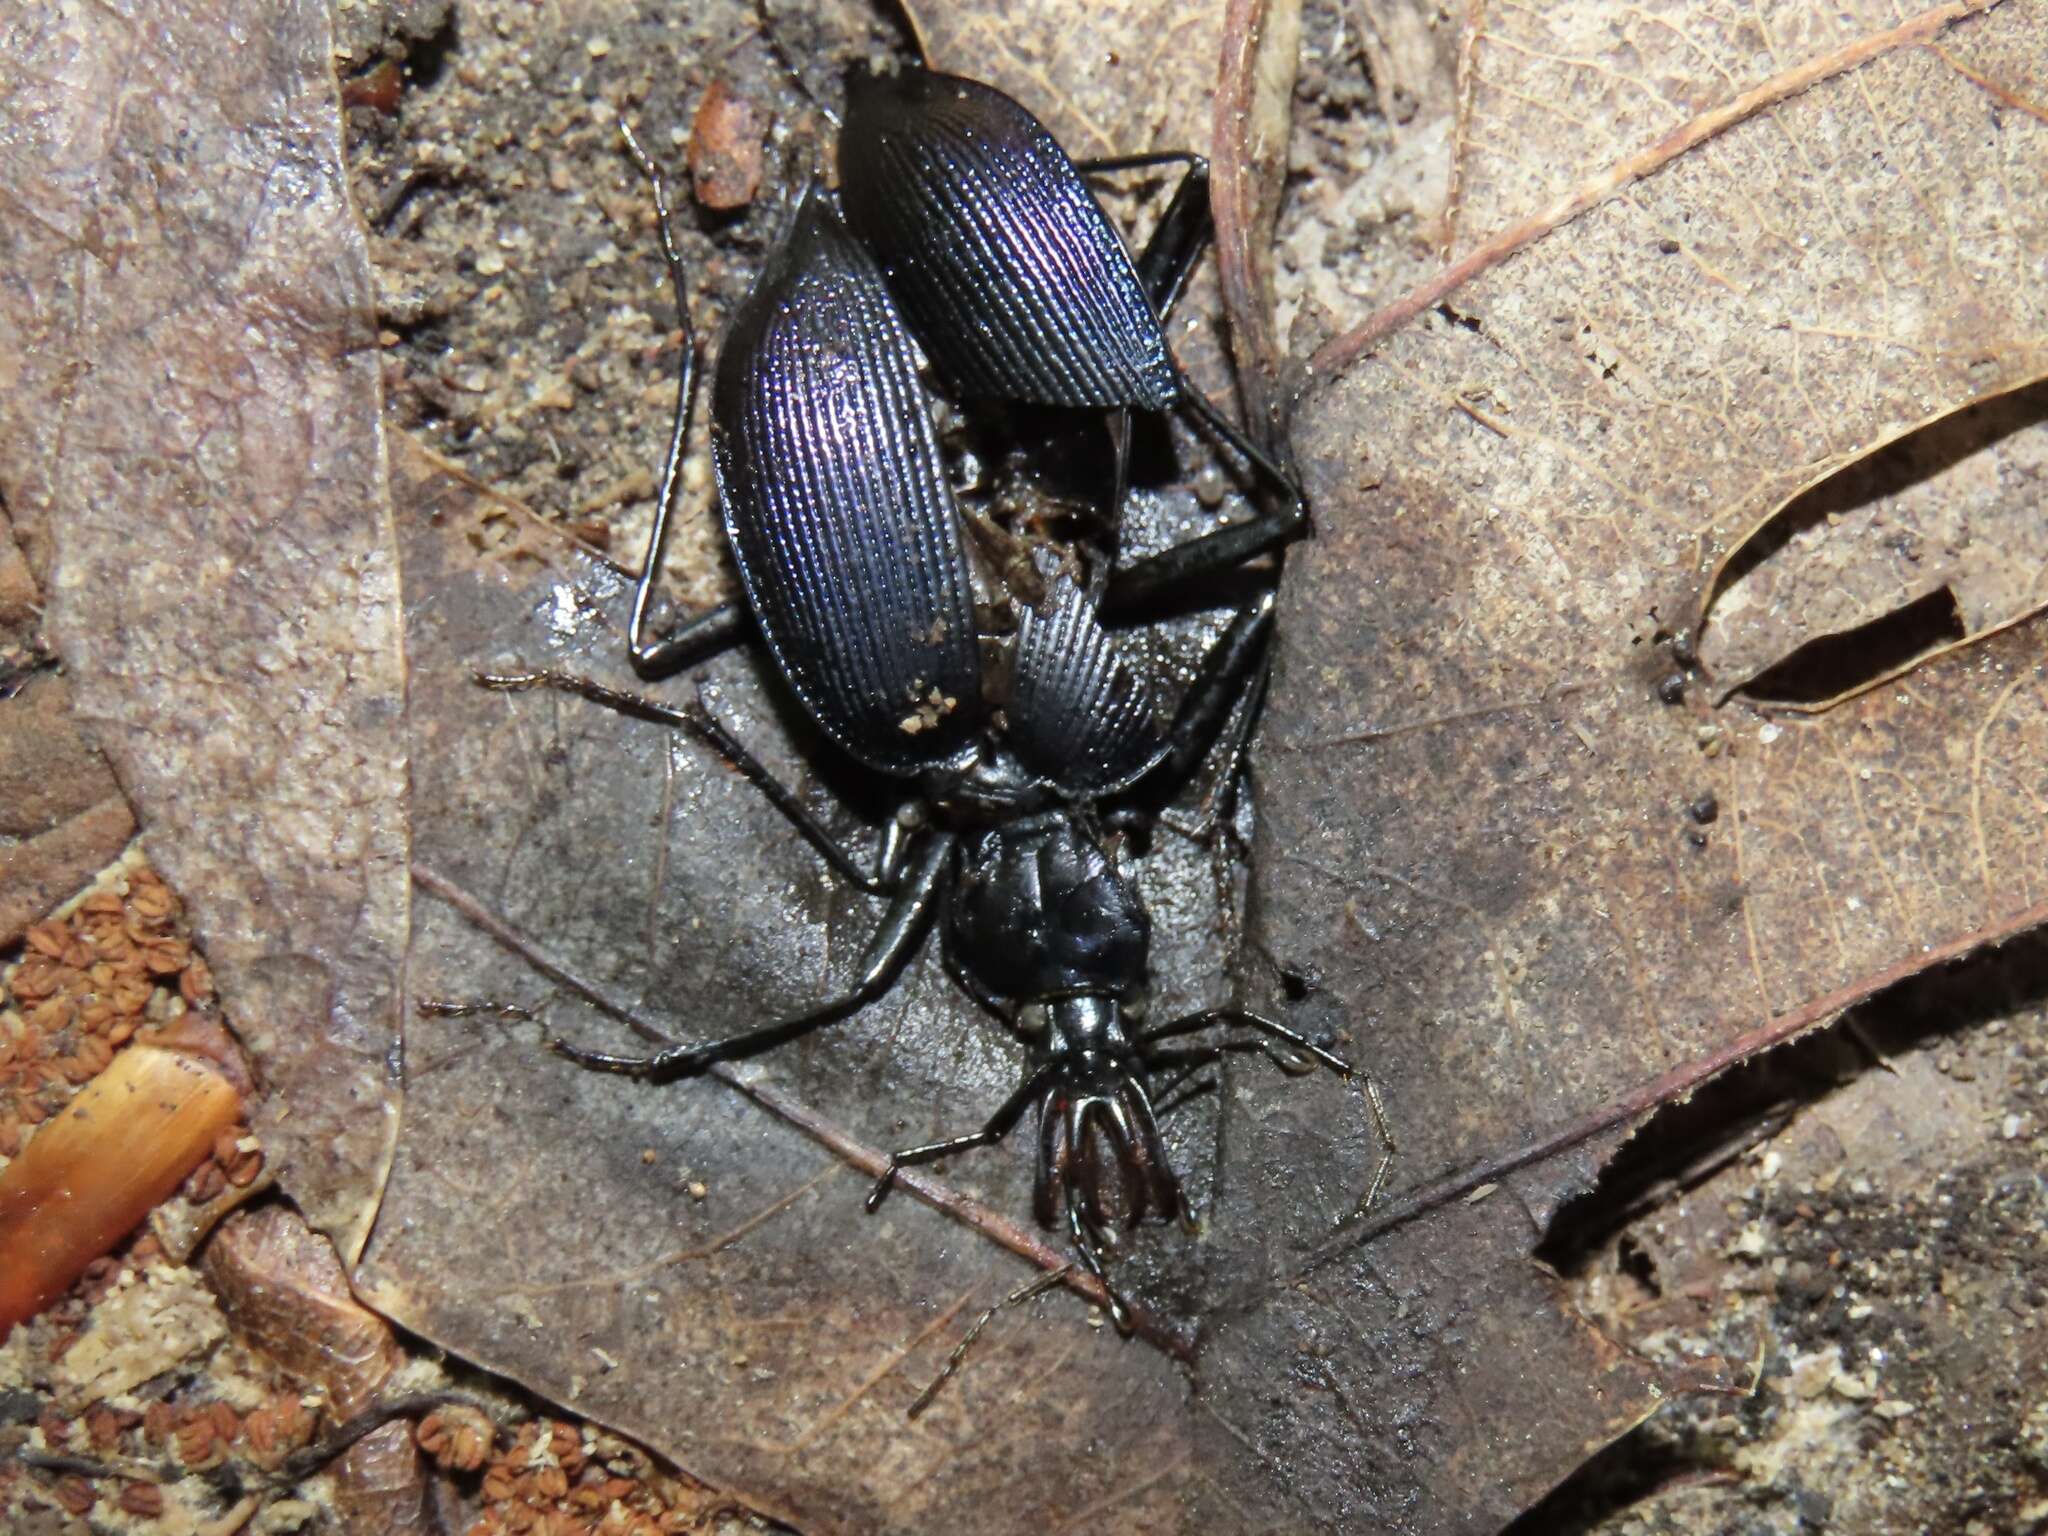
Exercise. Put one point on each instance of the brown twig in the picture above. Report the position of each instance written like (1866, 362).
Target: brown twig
(1239, 210)
(1674, 1085)
(1338, 353)
(1461, 130)
(964, 1209)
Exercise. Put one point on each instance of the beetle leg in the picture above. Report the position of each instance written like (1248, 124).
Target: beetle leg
(999, 1125)
(1375, 1106)
(1206, 412)
(729, 623)
(1103, 165)
(896, 840)
(1222, 796)
(889, 858)
(1389, 1147)
(1194, 1022)
(1192, 1059)
(1170, 254)
(1175, 246)
(1081, 1233)
(894, 941)
(699, 722)
(1221, 549)
(694, 640)
(1181, 235)
(1233, 664)
(1172, 1098)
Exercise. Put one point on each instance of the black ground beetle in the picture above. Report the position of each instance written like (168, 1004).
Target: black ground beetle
(1030, 753)
(1018, 288)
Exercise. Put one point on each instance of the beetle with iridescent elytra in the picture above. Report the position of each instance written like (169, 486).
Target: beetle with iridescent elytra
(1028, 747)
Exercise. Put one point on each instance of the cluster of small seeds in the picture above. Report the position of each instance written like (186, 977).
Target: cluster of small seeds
(178, 1437)
(85, 984)
(204, 1435)
(77, 1496)
(557, 1479)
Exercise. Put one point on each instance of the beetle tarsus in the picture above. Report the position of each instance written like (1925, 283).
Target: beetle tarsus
(681, 1061)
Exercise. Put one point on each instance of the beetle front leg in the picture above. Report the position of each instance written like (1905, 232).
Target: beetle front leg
(1000, 1124)
(895, 941)
(1191, 1023)
(1209, 1018)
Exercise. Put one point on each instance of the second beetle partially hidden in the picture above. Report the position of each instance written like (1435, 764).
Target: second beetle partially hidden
(1027, 754)
(1018, 288)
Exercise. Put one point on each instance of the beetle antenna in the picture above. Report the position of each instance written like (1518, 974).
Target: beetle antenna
(1023, 1293)
(906, 22)
(686, 389)
(665, 223)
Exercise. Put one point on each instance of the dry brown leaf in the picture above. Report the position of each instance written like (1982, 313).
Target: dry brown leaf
(65, 818)
(1951, 506)
(190, 422)
(1531, 890)
(1951, 512)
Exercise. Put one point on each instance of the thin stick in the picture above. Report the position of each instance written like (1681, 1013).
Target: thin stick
(1337, 354)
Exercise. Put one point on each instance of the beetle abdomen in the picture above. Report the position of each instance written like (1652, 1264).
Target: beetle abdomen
(836, 503)
(1008, 271)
